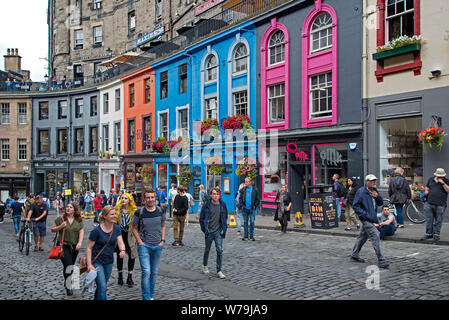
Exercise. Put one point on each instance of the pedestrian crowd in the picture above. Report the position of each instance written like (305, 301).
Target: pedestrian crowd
(123, 229)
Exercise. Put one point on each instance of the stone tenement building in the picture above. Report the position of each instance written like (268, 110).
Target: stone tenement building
(85, 33)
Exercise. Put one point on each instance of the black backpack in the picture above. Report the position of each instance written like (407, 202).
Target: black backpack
(341, 190)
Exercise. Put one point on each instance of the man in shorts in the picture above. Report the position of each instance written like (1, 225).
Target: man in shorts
(38, 215)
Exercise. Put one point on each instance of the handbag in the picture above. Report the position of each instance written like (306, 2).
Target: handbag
(57, 251)
(83, 259)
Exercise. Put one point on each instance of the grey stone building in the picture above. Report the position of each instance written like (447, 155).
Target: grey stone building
(65, 141)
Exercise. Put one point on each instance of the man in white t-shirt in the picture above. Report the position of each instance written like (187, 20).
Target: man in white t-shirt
(190, 198)
(387, 223)
(171, 197)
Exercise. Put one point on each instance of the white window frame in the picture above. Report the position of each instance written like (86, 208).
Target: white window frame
(118, 137)
(273, 99)
(61, 107)
(6, 112)
(272, 49)
(132, 21)
(211, 69)
(105, 137)
(239, 58)
(321, 87)
(22, 110)
(22, 149)
(208, 109)
(79, 41)
(98, 38)
(323, 32)
(159, 119)
(58, 131)
(5, 149)
(396, 15)
(180, 131)
(117, 99)
(40, 141)
(240, 103)
(97, 4)
(106, 103)
(158, 9)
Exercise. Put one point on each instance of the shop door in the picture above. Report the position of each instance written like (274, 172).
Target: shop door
(39, 183)
(297, 183)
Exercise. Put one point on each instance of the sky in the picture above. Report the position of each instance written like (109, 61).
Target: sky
(23, 25)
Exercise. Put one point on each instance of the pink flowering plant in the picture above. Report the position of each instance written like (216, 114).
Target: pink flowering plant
(247, 169)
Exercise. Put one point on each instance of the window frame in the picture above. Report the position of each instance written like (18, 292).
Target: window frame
(274, 46)
(316, 115)
(93, 143)
(21, 143)
(131, 137)
(41, 113)
(397, 15)
(179, 129)
(270, 100)
(132, 14)
(5, 153)
(160, 128)
(22, 111)
(40, 142)
(183, 78)
(163, 81)
(146, 132)
(79, 41)
(93, 102)
(61, 108)
(318, 31)
(79, 108)
(96, 37)
(105, 137)
(82, 146)
(106, 103)
(5, 115)
(118, 136)
(211, 70)
(206, 109)
(147, 90)
(234, 103)
(235, 59)
(132, 95)
(58, 137)
(118, 99)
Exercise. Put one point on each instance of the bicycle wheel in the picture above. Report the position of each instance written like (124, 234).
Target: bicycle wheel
(21, 239)
(415, 212)
(27, 241)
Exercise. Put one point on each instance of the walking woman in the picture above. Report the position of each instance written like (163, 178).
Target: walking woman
(284, 204)
(350, 213)
(58, 205)
(203, 199)
(71, 224)
(126, 208)
(100, 249)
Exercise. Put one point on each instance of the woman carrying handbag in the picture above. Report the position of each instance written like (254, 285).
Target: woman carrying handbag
(284, 204)
(100, 249)
(71, 233)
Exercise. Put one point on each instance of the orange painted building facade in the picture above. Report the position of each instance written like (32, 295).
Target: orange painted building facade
(139, 124)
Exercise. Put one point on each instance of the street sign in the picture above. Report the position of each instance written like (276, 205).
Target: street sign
(323, 213)
(68, 192)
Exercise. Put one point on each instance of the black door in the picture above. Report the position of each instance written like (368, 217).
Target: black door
(298, 181)
(39, 183)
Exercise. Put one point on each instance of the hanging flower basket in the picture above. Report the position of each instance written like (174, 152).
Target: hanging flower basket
(185, 176)
(216, 168)
(146, 171)
(247, 169)
(432, 136)
(417, 190)
(239, 122)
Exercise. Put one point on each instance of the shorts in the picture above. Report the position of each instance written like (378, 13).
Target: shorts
(40, 228)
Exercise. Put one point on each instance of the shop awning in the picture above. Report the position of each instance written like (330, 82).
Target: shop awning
(119, 59)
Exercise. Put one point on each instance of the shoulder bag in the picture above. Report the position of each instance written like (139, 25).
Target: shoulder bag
(83, 259)
(57, 251)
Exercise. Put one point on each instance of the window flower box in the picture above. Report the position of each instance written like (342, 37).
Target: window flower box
(401, 45)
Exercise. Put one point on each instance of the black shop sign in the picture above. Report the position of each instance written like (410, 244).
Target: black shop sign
(323, 211)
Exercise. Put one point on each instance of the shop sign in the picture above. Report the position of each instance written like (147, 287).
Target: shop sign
(300, 155)
(150, 35)
(331, 157)
(68, 192)
(96, 57)
(206, 6)
(322, 211)
(196, 171)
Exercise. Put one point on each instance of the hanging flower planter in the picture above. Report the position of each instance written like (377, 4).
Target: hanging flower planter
(146, 171)
(185, 176)
(247, 169)
(239, 122)
(208, 124)
(216, 168)
(432, 136)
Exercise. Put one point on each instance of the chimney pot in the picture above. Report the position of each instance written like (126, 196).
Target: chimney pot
(8, 51)
(17, 52)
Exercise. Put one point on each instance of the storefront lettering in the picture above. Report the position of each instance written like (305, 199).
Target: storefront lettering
(301, 156)
(331, 157)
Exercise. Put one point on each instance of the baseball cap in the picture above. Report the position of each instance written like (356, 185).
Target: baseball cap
(370, 177)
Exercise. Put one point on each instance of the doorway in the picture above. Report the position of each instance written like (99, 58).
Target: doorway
(299, 178)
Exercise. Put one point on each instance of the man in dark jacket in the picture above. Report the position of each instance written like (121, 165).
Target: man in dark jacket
(399, 193)
(248, 203)
(213, 223)
(365, 206)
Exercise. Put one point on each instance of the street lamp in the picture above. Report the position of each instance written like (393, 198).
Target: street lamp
(46, 80)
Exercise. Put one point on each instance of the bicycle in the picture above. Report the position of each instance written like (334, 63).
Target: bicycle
(414, 210)
(25, 237)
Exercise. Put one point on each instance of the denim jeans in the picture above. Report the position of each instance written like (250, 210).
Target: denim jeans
(434, 219)
(149, 257)
(337, 200)
(97, 214)
(239, 219)
(399, 213)
(368, 231)
(87, 206)
(103, 275)
(387, 230)
(251, 216)
(218, 239)
(16, 220)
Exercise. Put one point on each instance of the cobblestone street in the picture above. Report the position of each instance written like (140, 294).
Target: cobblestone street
(275, 266)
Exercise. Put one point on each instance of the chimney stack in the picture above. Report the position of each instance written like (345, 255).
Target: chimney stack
(13, 61)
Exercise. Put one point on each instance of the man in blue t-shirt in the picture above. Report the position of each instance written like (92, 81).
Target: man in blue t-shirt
(248, 203)
(16, 210)
(162, 197)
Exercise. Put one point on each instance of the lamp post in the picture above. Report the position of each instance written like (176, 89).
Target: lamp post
(46, 80)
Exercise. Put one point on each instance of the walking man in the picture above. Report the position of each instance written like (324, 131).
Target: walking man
(149, 230)
(213, 222)
(38, 215)
(365, 205)
(399, 193)
(339, 192)
(436, 191)
(180, 210)
(248, 203)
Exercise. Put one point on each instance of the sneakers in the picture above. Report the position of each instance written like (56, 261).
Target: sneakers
(245, 239)
(205, 270)
(425, 237)
(252, 239)
(221, 275)
(357, 259)
(348, 229)
(384, 265)
(181, 244)
(436, 238)
(175, 243)
(358, 226)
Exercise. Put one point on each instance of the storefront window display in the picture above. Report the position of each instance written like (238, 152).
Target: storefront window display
(84, 180)
(399, 147)
(162, 175)
(274, 170)
(330, 159)
(130, 176)
(212, 179)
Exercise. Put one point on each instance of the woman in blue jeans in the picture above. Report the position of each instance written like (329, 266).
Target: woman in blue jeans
(100, 249)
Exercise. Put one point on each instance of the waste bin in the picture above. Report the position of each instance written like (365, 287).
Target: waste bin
(323, 211)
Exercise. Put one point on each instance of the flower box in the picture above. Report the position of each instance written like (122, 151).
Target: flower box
(397, 51)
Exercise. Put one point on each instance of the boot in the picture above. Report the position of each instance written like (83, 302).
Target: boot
(130, 281)
(120, 278)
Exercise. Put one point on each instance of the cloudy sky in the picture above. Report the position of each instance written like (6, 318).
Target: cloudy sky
(23, 25)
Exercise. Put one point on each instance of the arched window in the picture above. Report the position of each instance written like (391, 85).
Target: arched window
(276, 48)
(240, 58)
(211, 68)
(321, 32)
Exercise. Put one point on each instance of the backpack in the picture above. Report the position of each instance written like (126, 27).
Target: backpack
(341, 190)
(139, 229)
